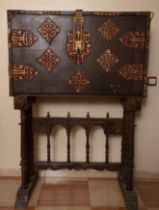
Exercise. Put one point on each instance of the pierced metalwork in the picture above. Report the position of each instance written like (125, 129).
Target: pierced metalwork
(107, 60)
(22, 38)
(78, 82)
(49, 30)
(134, 39)
(49, 59)
(108, 30)
(78, 41)
(101, 13)
(22, 72)
(132, 72)
(51, 12)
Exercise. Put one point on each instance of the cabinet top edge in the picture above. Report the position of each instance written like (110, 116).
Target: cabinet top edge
(61, 12)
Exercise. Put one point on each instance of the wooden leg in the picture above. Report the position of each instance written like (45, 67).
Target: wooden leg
(122, 173)
(32, 169)
(29, 176)
(128, 156)
(126, 174)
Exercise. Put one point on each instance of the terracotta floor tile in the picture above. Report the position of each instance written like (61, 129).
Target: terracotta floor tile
(108, 208)
(141, 204)
(63, 179)
(34, 198)
(12, 208)
(149, 192)
(113, 208)
(69, 193)
(102, 179)
(63, 208)
(8, 189)
(105, 194)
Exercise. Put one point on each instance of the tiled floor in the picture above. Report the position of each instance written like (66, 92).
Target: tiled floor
(66, 193)
(79, 194)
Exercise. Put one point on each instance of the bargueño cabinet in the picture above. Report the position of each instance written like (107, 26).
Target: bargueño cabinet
(59, 53)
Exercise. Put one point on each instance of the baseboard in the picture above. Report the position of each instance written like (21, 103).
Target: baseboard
(10, 173)
(138, 175)
(146, 176)
(90, 173)
(62, 173)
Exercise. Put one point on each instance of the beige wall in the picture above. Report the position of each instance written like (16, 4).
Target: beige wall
(147, 132)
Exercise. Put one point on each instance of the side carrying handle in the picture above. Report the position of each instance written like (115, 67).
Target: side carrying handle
(151, 81)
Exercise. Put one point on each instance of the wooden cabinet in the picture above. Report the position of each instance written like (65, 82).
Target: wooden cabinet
(78, 53)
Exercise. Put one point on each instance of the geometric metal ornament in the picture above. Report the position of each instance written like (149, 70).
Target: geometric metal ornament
(22, 72)
(134, 39)
(99, 13)
(48, 29)
(107, 60)
(132, 72)
(49, 59)
(78, 57)
(78, 45)
(22, 38)
(108, 30)
(78, 81)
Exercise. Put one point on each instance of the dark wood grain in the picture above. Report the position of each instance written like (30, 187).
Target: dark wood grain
(101, 82)
(60, 53)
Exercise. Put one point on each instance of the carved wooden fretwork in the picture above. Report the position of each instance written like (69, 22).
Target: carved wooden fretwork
(134, 39)
(49, 59)
(22, 72)
(22, 38)
(23, 103)
(131, 104)
(78, 81)
(49, 30)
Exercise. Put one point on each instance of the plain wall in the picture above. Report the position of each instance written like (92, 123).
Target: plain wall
(147, 131)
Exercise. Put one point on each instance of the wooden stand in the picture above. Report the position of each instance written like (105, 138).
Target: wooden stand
(94, 54)
(123, 126)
